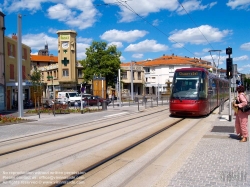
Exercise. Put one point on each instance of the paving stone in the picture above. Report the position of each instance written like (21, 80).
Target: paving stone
(218, 160)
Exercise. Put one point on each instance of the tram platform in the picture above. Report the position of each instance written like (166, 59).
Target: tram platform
(219, 159)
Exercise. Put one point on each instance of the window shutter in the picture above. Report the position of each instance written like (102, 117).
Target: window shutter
(12, 71)
(23, 72)
(14, 50)
(25, 53)
(9, 52)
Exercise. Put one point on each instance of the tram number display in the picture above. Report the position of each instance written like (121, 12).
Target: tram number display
(188, 74)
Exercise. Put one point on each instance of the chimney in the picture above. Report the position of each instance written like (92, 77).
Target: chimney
(14, 36)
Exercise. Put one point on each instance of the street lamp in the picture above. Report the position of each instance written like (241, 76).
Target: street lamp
(51, 77)
(54, 105)
(132, 78)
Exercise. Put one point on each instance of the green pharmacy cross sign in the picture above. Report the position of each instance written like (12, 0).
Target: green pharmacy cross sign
(65, 61)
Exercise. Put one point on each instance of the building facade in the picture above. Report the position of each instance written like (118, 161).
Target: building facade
(11, 71)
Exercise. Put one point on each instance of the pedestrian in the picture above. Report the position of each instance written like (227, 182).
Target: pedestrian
(241, 120)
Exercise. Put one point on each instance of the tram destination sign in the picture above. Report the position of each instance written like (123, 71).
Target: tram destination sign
(188, 74)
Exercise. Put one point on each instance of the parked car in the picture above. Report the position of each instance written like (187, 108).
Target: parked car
(94, 100)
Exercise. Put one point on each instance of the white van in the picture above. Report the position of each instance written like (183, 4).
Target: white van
(69, 97)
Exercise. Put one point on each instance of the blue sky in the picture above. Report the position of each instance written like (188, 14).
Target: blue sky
(141, 29)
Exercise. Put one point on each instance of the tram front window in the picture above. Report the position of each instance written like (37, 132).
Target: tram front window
(185, 88)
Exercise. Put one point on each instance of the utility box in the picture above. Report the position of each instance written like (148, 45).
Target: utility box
(99, 87)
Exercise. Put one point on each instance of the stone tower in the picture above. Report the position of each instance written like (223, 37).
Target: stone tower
(67, 75)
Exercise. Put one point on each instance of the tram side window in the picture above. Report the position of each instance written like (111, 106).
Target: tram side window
(203, 88)
(202, 93)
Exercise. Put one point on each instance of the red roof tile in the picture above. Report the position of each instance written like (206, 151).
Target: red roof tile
(40, 58)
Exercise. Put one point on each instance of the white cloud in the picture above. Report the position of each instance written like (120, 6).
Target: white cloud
(81, 50)
(130, 9)
(156, 22)
(241, 58)
(178, 45)
(215, 59)
(37, 41)
(60, 12)
(117, 44)
(74, 13)
(137, 55)
(245, 46)
(196, 35)
(122, 58)
(118, 35)
(53, 31)
(193, 5)
(143, 8)
(239, 4)
(15, 6)
(84, 40)
(147, 46)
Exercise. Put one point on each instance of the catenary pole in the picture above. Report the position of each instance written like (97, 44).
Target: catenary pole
(132, 79)
(230, 105)
(19, 65)
(119, 87)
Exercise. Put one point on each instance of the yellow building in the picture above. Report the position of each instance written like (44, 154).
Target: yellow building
(11, 71)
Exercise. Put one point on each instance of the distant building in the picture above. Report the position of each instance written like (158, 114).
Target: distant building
(45, 51)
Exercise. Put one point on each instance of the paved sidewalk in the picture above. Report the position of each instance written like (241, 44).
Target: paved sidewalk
(219, 158)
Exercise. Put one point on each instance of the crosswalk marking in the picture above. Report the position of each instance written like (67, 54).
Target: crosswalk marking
(113, 115)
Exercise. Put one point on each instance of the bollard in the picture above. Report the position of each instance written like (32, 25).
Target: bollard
(223, 102)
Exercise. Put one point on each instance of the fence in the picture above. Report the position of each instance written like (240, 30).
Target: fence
(142, 101)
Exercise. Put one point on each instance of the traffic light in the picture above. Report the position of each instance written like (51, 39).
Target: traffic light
(229, 51)
(229, 68)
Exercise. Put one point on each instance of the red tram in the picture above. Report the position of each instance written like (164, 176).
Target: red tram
(196, 92)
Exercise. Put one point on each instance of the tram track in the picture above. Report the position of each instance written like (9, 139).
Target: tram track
(150, 163)
(29, 141)
(101, 162)
(83, 153)
(11, 161)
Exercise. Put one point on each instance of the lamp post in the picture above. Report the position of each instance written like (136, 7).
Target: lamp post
(51, 77)
(132, 78)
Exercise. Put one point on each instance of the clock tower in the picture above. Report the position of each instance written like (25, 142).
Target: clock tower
(67, 75)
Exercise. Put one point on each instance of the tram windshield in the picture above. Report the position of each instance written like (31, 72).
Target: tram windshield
(188, 85)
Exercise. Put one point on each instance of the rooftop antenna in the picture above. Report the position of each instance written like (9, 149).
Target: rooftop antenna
(216, 66)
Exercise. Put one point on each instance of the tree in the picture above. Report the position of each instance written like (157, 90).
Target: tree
(102, 60)
(36, 79)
